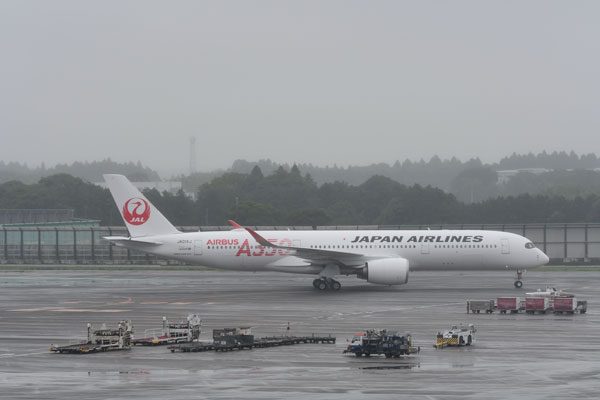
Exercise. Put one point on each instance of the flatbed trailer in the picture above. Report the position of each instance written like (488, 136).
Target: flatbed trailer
(258, 343)
(85, 347)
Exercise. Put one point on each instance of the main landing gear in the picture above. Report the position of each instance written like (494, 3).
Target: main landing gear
(327, 283)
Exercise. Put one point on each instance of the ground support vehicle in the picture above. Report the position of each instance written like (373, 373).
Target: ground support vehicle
(537, 305)
(568, 305)
(187, 330)
(478, 306)
(381, 342)
(456, 336)
(509, 304)
(99, 340)
(228, 339)
(264, 342)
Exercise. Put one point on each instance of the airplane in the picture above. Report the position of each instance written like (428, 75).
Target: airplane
(384, 257)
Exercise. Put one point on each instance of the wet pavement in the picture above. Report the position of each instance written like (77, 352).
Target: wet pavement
(514, 356)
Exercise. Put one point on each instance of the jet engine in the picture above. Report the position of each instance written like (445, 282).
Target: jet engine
(387, 271)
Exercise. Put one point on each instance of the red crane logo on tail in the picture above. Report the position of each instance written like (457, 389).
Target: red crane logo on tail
(136, 211)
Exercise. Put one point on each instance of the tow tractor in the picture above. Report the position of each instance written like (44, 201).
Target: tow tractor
(456, 336)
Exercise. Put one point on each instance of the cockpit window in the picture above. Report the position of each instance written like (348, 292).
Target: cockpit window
(529, 245)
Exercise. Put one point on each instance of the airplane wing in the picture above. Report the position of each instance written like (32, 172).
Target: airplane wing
(318, 256)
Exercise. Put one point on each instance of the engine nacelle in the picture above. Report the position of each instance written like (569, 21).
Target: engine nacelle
(387, 271)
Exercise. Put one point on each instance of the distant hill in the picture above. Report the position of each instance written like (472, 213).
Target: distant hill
(88, 171)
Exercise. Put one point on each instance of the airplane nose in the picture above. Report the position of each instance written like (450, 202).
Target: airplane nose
(544, 258)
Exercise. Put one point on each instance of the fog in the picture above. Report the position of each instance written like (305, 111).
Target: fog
(336, 82)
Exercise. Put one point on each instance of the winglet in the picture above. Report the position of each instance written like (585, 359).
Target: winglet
(234, 224)
(261, 240)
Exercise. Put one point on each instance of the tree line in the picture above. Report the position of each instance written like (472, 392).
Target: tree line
(88, 171)
(451, 175)
(291, 198)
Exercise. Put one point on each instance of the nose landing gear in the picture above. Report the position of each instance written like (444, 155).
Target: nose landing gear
(327, 283)
(518, 281)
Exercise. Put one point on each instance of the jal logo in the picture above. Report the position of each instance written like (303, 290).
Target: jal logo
(136, 211)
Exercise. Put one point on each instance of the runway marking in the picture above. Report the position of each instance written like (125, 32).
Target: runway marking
(401, 308)
(63, 309)
(129, 300)
(12, 355)
(545, 378)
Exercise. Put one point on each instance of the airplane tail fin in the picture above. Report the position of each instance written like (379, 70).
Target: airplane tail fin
(139, 215)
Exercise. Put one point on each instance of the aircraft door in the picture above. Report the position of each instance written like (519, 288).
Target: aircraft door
(504, 246)
(197, 247)
(424, 248)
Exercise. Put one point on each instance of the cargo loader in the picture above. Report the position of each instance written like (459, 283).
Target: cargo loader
(100, 340)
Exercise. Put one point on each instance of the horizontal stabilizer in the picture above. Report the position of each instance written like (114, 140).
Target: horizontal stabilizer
(125, 239)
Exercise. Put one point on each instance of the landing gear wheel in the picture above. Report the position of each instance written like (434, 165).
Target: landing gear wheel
(322, 285)
(316, 283)
(518, 284)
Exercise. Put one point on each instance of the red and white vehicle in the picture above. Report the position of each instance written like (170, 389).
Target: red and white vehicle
(378, 256)
(537, 305)
(509, 304)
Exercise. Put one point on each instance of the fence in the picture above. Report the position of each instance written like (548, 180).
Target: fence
(561, 242)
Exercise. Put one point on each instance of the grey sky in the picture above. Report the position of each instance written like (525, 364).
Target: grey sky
(346, 82)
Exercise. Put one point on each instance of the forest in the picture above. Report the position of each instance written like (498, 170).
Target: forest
(292, 198)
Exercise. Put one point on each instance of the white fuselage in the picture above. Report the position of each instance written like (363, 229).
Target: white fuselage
(424, 249)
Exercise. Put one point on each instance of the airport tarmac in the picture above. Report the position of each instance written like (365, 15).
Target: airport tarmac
(514, 356)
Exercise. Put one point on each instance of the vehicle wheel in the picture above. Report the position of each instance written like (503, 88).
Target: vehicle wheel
(388, 355)
(316, 283)
(358, 354)
(518, 284)
(335, 285)
(461, 341)
(469, 340)
(322, 285)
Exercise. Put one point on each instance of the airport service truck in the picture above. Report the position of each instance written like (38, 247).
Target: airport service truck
(378, 342)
